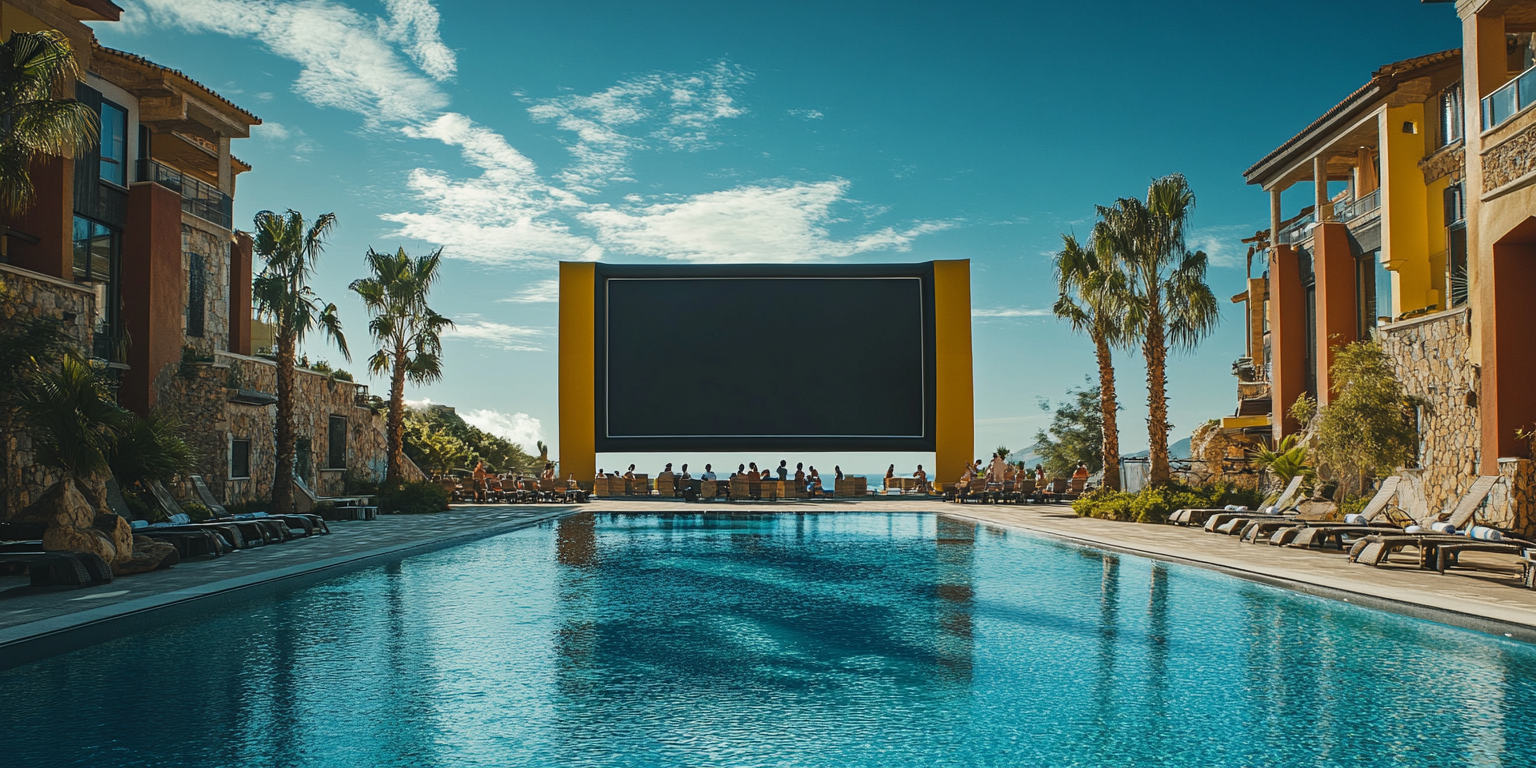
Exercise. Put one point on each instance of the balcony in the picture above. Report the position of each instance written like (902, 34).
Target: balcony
(1297, 231)
(1357, 208)
(197, 198)
(1517, 94)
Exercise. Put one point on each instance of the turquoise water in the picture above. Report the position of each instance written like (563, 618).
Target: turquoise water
(833, 639)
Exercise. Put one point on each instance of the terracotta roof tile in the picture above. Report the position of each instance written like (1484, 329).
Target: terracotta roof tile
(133, 57)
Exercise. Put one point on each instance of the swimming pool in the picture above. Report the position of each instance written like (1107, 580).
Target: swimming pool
(836, 639)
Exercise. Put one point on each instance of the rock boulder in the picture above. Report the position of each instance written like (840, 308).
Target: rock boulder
(59, 538)
(147, 555)
(61, 506)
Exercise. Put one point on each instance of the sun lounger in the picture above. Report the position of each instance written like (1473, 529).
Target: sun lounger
(233, 535)
(306, 524)
(1310, 534)
(57, 569)
(1200, 516)
(1376, 549)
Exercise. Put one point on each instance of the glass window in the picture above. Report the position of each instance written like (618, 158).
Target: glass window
(1450, 115)
(114, 144)
(239, 459)
(95, 250)
(336, 446)
(1374, 298)
(1456, 264)
(196, 288)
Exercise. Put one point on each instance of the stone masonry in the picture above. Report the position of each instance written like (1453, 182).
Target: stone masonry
(28, 294)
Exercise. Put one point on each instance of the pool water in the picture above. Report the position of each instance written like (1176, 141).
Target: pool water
(835, 639)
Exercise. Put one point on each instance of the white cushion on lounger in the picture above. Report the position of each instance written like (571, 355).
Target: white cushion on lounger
(1355, 519)
(180, 519)
(1484, 533)
(1443, 527)
(1414, 529)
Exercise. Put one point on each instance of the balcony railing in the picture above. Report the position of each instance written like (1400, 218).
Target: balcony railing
(1357, 208)
(1516, 95)
(198, 198)
(1297, 231)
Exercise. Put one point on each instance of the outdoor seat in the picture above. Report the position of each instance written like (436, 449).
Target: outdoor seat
(1376, 549)
(59, 569)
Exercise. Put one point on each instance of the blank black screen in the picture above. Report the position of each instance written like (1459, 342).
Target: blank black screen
(692, 362)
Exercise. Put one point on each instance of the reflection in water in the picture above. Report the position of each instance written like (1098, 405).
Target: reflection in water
(1105, 694)
(955, 545)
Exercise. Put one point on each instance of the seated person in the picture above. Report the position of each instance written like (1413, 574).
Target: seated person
(570, 481)
(684, 477)
(753, 473)
(629, 474)
(665, 472)
(799, 473)
(709, 472)
(783, 469)
(549, 471)
(765, 475)
(741, 472)
(890, 472)
(1081, 473)
(922, 478)
(838, 468)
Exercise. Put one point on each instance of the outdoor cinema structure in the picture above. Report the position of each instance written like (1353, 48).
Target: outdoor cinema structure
(766, 357)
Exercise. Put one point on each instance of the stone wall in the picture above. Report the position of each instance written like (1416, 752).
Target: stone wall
(1511, 159)
(1219, 455)
(200, 394)
(28, 294)
(214, 249)
(1512, 505)
(1432, 356)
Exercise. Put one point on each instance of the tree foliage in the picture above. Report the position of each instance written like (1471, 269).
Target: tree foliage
(1367, 429)
(1095, 299)
(33, 67)
(439, 440)
(1076, 433)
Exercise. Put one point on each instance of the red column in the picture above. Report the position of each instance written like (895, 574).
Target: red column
(1337, 314)
(153, 285)
(240, 294)
(1509, 363)
(1287, 337)
(51, 219)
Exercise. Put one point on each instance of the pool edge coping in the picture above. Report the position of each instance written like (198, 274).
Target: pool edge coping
(24, 644)
(1499, 628)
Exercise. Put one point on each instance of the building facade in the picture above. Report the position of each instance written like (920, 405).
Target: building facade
(1420, 233)
(134, 248)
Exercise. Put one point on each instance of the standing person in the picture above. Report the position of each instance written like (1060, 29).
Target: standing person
(629, 474)
(783, 469)
(478, 477)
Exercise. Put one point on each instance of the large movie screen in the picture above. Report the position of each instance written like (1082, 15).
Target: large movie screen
(761, 357)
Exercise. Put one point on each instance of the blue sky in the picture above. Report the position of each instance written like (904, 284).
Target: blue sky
(515, 135)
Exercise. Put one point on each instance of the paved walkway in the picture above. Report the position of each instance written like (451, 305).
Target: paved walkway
(28, 612)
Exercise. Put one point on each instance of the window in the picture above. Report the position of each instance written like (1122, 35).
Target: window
(239, 459)
(1450, 115)
(1455, 204)
(1374, 299)
(114, 144)
(96, 250)
(1456, 263)
(336, 445)
(196, 288)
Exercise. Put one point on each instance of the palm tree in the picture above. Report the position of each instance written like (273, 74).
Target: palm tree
(289, 247)
(33, 66)
(1093, 299)
(1170, 306)
(408, 332)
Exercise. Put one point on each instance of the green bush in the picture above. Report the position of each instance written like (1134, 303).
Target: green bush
(414, 499)
(353, 484)
(1155, 504)
(1351, 505)
(196, 511)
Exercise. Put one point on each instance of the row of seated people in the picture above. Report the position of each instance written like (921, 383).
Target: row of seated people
(1002, 481)
(892, 482)
(487, 487)
(682, 484)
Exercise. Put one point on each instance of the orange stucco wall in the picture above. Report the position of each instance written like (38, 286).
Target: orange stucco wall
(152, 290)
(1336, 314)
(1287, 340)
(240, 294)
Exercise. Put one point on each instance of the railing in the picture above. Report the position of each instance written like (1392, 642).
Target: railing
(1357, 208)
(1516, 95)
(198, 198)
(1297, 231)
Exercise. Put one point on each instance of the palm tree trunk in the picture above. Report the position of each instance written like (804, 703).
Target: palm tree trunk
(1107, 405)
(282, 480)
(1155, 349)
(392, 475)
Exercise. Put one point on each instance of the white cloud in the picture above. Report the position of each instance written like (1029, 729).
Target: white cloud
(502, 216)
(678, 111)
(1222, 245)
(1009, 312)
(414, 23)
(760, 224)
(346, 59)
(542, 292)
(510, 338)
(807, 114)
(271, 131)
(517, 428)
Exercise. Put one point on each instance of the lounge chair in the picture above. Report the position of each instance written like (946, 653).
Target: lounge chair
(193, 542)
(235, 535)
(306, 524)
(1202, 517)
(1305, 534)
(55, 569)
(1376, 549)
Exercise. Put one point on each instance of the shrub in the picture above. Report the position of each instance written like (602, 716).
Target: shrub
(196, 511)
(1156, 503)
(353, 484)
(414, 499)
(1351, 505)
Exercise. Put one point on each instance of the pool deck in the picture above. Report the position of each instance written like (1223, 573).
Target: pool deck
(37, 622)
(1491, 601)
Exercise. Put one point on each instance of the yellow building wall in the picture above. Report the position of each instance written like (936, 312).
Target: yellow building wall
(1434, 214)
(1404, 222)
(955, 417)
(578, 370)
(13, 19)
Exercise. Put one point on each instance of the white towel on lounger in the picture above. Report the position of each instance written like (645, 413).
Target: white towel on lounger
(1443, 527)
(1414, 529)
(1355, 519)
(1484, 533)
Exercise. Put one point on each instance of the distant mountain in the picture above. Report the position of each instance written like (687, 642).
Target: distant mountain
(1178, 450)
(1026, 455)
